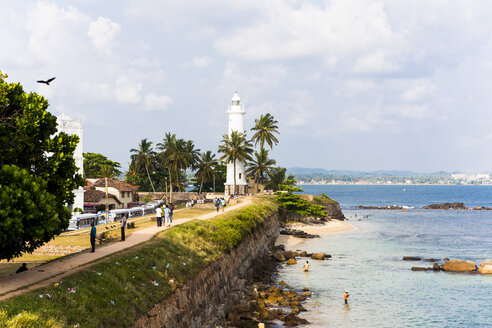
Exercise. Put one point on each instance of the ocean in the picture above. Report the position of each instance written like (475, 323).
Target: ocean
(367, 262)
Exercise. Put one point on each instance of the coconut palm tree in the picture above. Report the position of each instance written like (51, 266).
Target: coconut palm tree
(144, 155)
(259, 167)
(167, 142)
(206, 167)
(277, 176)
(265, 129)
(235, 147)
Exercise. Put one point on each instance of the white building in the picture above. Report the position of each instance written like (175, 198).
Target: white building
(70, 127)
(236, 123)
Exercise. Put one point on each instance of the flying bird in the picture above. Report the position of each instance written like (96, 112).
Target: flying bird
(47, 82)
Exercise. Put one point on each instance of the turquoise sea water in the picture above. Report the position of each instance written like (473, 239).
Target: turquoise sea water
(367, 262)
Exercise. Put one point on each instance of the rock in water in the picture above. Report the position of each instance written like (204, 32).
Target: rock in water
(419, 269)
(436, 267)
(485, 267)
(279, 256)
(319, 256)
(459, 266)
(411, 258)
(446, 206)
(291, 261)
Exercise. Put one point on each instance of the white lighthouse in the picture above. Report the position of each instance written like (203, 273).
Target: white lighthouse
(236, 123)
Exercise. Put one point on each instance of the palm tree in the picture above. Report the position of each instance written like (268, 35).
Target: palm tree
(178, 155)
(194, 156)
(266, 129)
(277, 176)
(144, 155)
(235, 147)
(168, 140)
(206, 167)
(260, 166)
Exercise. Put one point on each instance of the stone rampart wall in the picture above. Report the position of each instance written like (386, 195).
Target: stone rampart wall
(205, 300)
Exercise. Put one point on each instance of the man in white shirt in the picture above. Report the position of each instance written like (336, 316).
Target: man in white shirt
(167, 214)
(158, 214)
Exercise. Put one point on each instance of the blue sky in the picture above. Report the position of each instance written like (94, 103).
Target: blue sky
(354, 84)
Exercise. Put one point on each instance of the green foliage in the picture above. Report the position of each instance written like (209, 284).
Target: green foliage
(260, 166)
(28, 215)
(94, 163)
(277, 176)
(125, 279)
(295, 203)
(265, 129)
(42, 158)
(235, 147)
(206, 168)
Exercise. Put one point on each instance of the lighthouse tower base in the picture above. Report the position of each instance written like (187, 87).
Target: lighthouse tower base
(241, 189)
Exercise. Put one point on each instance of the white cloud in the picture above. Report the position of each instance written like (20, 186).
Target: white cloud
(93, 92)
(355, 124)
(341, 29)
(375, 63)
(102, 33)
(419, 90)
(202, 61)
(156, 102)
(127, 91)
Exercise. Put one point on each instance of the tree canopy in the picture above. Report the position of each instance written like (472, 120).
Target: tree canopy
(38, 171)
(95, 163)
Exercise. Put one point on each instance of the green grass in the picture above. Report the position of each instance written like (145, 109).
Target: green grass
(115, 293)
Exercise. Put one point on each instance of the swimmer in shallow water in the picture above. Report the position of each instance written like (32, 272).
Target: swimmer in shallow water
(306, 267)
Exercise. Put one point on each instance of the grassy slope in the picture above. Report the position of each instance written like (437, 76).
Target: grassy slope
(118, 291)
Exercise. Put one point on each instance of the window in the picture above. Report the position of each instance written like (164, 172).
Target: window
(239, 175)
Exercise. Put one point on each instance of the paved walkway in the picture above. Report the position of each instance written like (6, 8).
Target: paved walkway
(48, 273)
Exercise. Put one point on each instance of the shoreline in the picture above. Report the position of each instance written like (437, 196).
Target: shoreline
(331, 227)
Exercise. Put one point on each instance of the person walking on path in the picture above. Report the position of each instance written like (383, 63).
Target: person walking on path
(217, 204)
(223, 203)
(22, 268)
(171, 211)
(123, 226)
(167, 213)
(93, 237)
(158, 216)
(346, 297)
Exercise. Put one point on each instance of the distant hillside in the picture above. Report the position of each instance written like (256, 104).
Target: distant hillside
(314, 175)
(313, 171)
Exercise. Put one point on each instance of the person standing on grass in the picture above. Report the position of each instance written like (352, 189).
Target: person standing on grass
(223, 203)
(167, 212)
(93, 237)
(217, 204)
(158, 216)
(171, 211)
(123, 226)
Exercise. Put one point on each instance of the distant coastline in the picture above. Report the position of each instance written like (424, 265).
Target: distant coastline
(303, 183)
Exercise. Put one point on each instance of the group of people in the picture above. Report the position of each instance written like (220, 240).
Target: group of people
(220, 203)
(93, 232)
(168, 215)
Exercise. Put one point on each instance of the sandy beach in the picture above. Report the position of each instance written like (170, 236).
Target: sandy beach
(332, 226)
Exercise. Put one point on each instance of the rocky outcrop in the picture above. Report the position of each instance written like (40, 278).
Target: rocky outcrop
(297, 233)
(204, 300)
(446, 206)
(334, 211)
(459, 266)
(485, 267)
(481, 208)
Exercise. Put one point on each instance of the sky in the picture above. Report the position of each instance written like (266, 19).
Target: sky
(354, 84)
